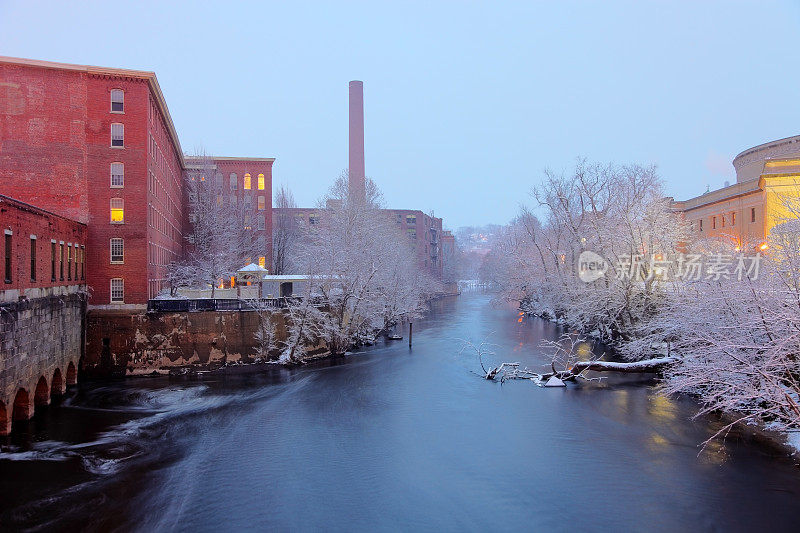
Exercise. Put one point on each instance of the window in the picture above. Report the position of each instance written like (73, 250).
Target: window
(752, 214)
(411, 219)
(733, 218)
(117, 251)
(248, 202)
(262, 261)
(262, 223)
(8, 256)
(76, 261)
(61, 261)
(701, 224)
(247, 181)
(234, 200)
(117, 135)
(399, 218)
(33, 257)
(118, 175)
(52, 260)
(218, 180)
(117, 211)
(117, 290)
(69, 261)
(713, 222)
(247, 221)
(83, 263)
(234, 182)
(313, 219)
(412, 232)
(723, 220)
(261, 182)
(262, 203)
(117, 101)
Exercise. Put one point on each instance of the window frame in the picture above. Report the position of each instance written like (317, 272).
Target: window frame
(8, 255)
(111, 290)
(122, 138)
(121, 255)
(121, 102)
(33, 257)
(111, 175)
(111, 210)
(248, 181)
(261, 182)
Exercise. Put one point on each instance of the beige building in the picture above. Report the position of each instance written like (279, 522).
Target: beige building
(767, 177)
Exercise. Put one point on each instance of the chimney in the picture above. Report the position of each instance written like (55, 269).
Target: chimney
(357, 186)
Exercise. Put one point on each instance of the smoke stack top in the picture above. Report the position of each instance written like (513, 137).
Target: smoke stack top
(356, 172)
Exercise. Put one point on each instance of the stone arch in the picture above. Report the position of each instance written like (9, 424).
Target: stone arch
(57, 385)
(22, 406)
(41, 395)
(72, 374)
(5, 422)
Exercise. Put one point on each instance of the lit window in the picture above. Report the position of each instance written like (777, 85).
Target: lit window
(262, 203)
(234, 181)
(117, 211)
(117, 135)
(247, 181)
(262, 261)
(118, 174)
(117, 290)
(261, 182)
(117, 101)
(117, 250)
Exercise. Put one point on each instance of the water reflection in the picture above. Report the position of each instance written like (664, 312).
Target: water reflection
(389, 439)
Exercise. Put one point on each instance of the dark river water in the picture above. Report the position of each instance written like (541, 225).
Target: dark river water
(391, 439)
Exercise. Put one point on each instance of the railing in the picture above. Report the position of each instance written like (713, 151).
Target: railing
(214, 304)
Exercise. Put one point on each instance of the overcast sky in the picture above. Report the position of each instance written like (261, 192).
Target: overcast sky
(465, 102)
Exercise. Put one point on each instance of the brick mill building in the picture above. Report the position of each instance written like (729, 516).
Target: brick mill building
(97, 145)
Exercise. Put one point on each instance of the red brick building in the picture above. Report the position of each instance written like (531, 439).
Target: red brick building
(247, 181)
(97, 145)
(42, 252)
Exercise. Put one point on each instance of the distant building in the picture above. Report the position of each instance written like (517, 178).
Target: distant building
(744, 213)
(248, 181)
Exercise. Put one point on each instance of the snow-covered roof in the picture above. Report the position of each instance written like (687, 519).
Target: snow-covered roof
(252, 267)
(286, 277)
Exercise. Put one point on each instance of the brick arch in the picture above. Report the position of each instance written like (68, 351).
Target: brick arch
(72, 374)
(57, 385)
(5, 423)
(22, 406)
(41, 395)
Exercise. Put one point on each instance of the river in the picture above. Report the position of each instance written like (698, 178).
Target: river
(388, 439)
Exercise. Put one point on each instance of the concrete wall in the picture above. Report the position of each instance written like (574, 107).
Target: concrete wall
(40, 350)
(133, 343)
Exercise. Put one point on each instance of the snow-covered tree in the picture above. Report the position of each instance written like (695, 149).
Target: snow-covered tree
(221, 239)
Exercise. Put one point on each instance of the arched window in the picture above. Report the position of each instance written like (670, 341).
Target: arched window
(261, 182)
(234, 182)
(247, 181)
(117, 101)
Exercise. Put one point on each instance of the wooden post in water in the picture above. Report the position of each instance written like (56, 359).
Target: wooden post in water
(410, 332)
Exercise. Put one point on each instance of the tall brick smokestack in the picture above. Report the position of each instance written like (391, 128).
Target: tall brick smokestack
(356, 164)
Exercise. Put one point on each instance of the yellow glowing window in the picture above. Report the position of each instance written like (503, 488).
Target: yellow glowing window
(117, 211)
(261, 182)
(262, 261)
(247, 181)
